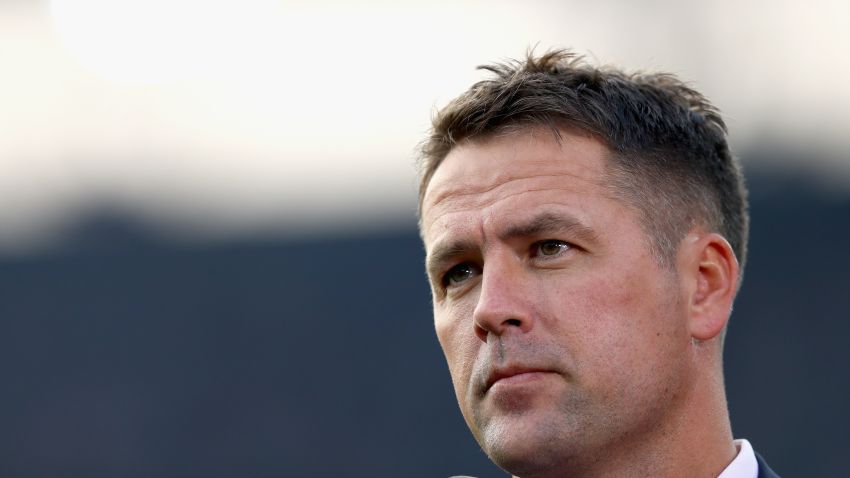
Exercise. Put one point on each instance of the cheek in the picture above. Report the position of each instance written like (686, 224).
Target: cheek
(618, 322)
(637, 299)
(460, 346)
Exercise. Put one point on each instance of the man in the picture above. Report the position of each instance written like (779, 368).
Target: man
(585, 233)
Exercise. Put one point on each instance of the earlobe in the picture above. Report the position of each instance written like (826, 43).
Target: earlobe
(716, 272)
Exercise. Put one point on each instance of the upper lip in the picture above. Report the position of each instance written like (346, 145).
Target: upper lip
(504, 372)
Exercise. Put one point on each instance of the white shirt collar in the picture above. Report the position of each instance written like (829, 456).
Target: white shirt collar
(744, 465)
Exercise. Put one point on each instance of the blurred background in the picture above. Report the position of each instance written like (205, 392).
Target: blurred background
(209, 263)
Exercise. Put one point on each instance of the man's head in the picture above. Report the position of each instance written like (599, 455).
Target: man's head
(667, 148)
(583, 229)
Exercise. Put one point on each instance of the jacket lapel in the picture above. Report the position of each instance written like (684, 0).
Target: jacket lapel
(764, 470)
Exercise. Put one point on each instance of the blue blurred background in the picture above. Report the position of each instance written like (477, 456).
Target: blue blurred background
(209, 264)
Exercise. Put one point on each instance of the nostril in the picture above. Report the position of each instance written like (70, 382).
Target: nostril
(514, 322)
(481, 333)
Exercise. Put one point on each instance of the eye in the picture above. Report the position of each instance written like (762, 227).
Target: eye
(551, 247)
(459, 274)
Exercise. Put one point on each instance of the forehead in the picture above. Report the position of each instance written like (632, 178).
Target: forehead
(515, 171)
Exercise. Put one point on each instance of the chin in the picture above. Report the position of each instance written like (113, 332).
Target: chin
(526, 447)
(532, 463)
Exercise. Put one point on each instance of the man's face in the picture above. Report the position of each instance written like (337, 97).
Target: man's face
(564, 338)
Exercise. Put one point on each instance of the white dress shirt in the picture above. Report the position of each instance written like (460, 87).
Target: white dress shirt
(744, 465)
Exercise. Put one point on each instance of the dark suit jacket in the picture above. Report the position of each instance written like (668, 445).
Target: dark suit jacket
(764, 470)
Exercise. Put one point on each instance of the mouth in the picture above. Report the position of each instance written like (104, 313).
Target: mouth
(513, 375)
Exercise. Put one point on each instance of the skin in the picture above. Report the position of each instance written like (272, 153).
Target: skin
(607, 364)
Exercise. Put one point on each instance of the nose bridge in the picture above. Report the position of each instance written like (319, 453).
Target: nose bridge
(503, 302)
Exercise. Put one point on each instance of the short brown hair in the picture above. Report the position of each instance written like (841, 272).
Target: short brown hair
(669, 155)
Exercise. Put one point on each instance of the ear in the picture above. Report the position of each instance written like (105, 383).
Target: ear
(712, 270)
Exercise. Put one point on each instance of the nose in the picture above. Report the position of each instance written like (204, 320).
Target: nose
(504, 302)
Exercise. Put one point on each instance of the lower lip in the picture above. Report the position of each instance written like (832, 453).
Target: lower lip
(519, 379)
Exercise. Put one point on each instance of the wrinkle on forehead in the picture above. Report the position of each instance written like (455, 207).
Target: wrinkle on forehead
(470, 190)
(457, 204)
(464, 198)
(478, 175)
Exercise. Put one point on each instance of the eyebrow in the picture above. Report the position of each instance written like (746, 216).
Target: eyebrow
(445, 253)
(551, 222)
(546, 222)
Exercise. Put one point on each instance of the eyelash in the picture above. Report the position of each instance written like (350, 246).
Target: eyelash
(535, 249)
